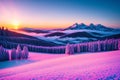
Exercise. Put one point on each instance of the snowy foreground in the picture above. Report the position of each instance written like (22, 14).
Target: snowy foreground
(94, 66)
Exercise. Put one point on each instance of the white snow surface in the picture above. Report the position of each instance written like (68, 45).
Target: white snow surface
(89, 66)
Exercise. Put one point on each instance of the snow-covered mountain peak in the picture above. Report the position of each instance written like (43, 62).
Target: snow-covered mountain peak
(74, 25)
(92, 26)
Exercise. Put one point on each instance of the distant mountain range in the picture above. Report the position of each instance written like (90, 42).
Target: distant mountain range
(75, 34)
(76, 26)
(92, 26)
(82, 33)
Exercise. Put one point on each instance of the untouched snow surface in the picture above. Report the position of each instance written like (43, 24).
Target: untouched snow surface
(33, 57)
(95, 66)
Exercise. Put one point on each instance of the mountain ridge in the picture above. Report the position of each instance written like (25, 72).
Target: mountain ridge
(91, 26)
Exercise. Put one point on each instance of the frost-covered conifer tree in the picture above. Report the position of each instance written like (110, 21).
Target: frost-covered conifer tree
(25, 52)
(19, 52)
(98, 46)
(78, 48)
(69, 49)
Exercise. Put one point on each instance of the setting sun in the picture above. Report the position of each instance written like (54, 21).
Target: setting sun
(15, 24)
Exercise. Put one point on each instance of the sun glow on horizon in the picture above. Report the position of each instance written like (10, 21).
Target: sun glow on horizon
(15, 24)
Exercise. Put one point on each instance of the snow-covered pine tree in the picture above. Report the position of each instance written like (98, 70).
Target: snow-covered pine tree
(13, 54)
(19, 52)
(69, 49)
(78, 48)
(25, 52)
(4, 55)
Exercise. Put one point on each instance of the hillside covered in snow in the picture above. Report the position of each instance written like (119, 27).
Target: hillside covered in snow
(96, 66)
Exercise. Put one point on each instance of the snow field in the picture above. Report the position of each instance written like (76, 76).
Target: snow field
(97, 66)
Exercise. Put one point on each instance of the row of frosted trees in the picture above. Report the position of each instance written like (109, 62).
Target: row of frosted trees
(15, 54)
(19, 53)
(97, 46)
(33, 48)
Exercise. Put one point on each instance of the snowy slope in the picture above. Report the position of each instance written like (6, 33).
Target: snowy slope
(96, 66)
